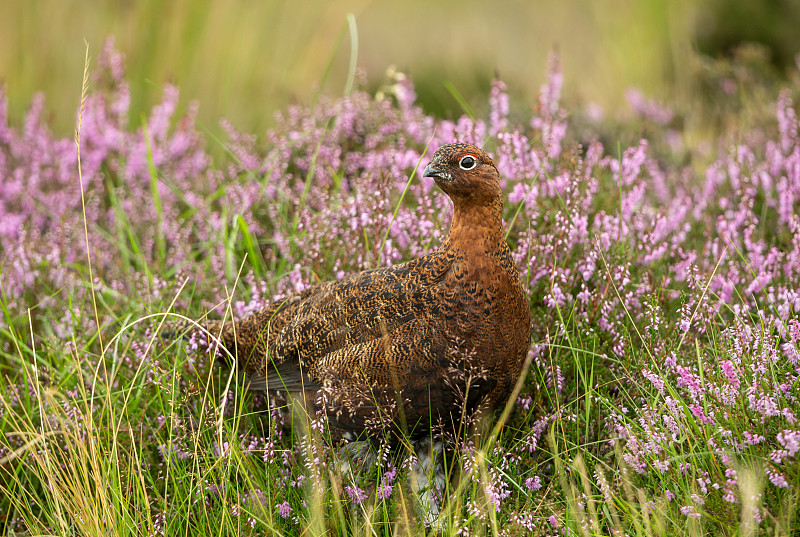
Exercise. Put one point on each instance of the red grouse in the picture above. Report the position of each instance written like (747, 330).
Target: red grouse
(398, 345)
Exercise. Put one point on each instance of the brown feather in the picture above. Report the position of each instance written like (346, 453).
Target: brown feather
(404, 334)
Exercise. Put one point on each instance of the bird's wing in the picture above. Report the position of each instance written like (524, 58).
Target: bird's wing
(286, 376)
(338, 327)
(354, 310)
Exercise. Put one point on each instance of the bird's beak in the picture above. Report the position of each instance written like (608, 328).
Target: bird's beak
(431, 171)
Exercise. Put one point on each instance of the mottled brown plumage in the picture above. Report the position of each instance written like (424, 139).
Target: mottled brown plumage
(409, 335)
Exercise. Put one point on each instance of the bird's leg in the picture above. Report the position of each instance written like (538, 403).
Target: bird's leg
(359, 452)
(427, 478)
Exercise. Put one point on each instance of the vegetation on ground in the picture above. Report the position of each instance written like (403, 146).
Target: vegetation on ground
(663, 278)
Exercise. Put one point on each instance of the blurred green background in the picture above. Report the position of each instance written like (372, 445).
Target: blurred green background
(245, 59)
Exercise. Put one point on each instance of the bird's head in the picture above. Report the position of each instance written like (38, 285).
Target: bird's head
(465, 173)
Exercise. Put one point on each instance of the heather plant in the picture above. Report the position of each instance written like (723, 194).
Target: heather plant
(663, 279)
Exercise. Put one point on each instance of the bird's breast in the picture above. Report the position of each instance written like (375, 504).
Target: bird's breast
(471, 294)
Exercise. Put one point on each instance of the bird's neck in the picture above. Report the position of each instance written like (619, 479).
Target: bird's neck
(477, 227)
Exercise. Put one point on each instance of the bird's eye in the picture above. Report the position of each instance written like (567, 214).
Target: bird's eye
(468, 162)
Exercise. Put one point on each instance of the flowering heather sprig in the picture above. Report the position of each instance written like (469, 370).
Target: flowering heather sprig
(748, 390)
(648, 109)
(284, 509)
(790, 442)
(344, 161)
(614, 244)
(690, 512)
(385, 487)
(355, 493)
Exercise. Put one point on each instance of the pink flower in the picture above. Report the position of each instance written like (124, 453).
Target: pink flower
(284, 509)
(356, 494)
(689, 511)
(533, 483)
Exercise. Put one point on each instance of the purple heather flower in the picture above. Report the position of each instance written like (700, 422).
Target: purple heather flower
(752, 439)
(689, 511)
(790, 440)
(533, 483)
(697, 410)
(656, 113)
(356, 494)
(698, 499)
(498, 102)
(524, 402)
(704, 234)
(284, 509)
(384, 491)
(777, 478)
